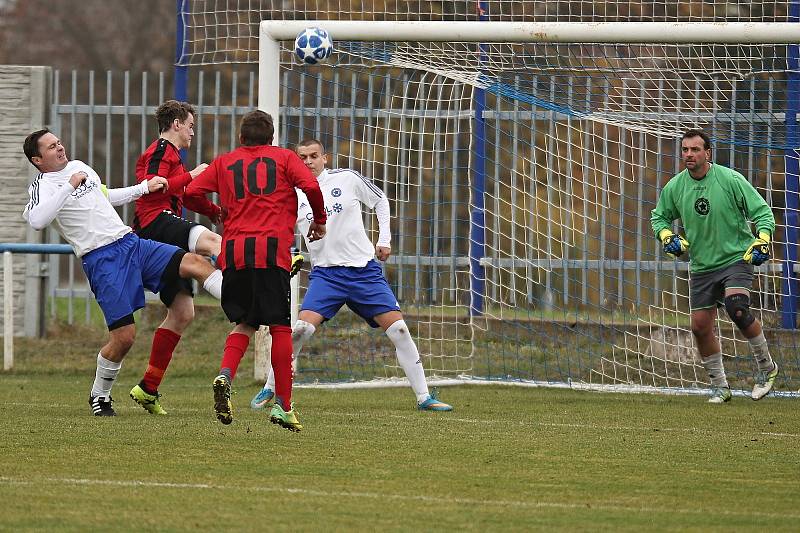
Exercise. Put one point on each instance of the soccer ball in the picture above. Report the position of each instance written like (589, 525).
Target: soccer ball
(313, 45)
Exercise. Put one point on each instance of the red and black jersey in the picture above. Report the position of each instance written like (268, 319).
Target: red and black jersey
(163, 159)
(256, 184)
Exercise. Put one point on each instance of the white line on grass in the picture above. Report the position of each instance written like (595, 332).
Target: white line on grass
(381, 496)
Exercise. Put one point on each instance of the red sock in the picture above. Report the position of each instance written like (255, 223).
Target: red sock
(282, 364)
(164, 342)
(235, 346)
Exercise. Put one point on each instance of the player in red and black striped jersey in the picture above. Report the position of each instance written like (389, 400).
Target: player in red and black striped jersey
(162, 158)
(256, 185)
(158, 218)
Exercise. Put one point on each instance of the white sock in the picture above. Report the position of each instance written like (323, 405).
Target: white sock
(104, 377)
(408, 357)
(194, 236)
(758, 345)
(213, 284)
(716, 372)
(301, 332)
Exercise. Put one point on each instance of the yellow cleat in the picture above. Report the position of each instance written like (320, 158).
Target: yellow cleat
(286, 419)
(222, 399)
(148, 401)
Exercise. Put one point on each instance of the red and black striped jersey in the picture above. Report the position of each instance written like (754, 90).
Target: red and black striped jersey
(256, 185)
(163, 159)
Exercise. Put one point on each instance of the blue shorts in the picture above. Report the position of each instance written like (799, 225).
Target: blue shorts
(119, 272)
(364, 290)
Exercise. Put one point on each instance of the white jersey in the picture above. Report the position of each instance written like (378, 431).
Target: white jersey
(346, 242)
(83, 216)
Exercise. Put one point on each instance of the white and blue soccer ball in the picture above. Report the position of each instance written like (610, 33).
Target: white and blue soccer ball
(313, 45)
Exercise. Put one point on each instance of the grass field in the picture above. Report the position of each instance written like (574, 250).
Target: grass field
(507, 458)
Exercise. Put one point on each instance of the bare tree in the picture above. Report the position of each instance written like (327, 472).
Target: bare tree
(88, 34)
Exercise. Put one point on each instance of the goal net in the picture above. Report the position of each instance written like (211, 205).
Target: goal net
(522, 163)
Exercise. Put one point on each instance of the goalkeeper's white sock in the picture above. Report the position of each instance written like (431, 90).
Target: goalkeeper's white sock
(716, 372)
(213, 284)
(758, 345)
(408, 357)
(104, 377)
(301, 332)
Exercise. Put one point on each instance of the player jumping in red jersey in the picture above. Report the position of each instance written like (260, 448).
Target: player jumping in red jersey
(256, 185)
(158, 218)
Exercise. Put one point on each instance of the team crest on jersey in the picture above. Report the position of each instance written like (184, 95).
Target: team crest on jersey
(337, 192)
(702, 206)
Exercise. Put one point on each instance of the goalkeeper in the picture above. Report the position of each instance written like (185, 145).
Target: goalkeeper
(716, 205)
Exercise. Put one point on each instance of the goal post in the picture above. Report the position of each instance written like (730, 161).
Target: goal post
(583, 121)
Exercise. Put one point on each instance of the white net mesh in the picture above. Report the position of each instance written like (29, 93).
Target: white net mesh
(553, 188)
(226, 31)
(578, 141)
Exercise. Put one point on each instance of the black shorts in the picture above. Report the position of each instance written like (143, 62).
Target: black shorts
(256, 296)
(707, 289)
(171, 229)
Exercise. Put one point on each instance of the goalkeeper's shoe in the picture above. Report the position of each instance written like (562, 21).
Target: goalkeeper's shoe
(720, 395)
(148, 401)
(764, 383)
(222, 399)
(287, 419)
(262, 399)
(297, 264)
(433, 403)
(101, 406)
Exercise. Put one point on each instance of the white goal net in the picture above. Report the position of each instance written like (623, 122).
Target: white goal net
(522, 175)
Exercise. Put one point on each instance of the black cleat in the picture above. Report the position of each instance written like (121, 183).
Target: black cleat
(101, 406)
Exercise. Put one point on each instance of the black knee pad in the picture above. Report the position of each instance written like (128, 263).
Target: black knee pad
(738, 308)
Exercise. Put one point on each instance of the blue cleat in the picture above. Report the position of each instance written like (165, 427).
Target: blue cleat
(434, 404)
(262, 399)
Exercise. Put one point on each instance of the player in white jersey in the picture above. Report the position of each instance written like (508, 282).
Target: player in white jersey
(344, 270)
(118, 264)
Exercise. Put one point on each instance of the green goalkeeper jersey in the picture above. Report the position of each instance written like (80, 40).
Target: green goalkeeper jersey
(716, 211)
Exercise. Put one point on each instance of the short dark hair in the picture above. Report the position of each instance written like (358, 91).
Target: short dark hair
(169, 111)
(31, 145)
(256, 128)
(698, 133)
(310, 142)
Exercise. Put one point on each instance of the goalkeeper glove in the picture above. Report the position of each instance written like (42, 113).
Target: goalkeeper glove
(674, 245)
(758, 252)
(297, 264)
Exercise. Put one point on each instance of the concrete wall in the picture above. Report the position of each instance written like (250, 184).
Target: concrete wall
(24, 104)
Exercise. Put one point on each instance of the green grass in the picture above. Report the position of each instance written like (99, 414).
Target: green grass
(507, 459)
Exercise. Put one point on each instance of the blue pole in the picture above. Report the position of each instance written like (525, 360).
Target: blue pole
(477, 233)
(791, 289)
(181, 69)
(35, 248)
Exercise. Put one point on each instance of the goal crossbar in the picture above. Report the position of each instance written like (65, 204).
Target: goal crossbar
(545, 32)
